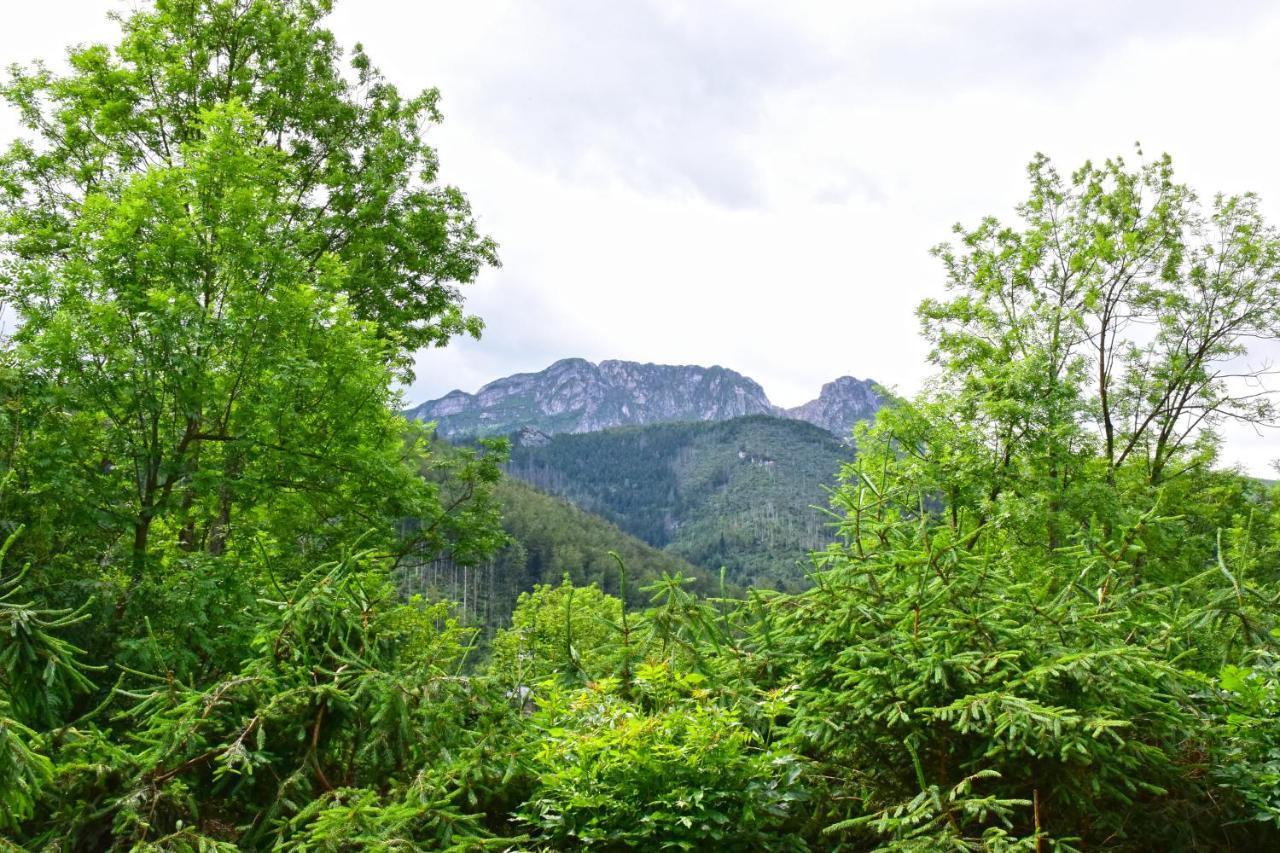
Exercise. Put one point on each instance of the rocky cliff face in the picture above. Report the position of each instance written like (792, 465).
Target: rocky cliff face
(575, 395)
(840, 405)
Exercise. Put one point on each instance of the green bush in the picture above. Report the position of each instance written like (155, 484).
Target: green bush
(1248, 763)
(689, 775)
(559, 630)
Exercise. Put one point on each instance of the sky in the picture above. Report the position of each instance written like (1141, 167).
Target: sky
(758, 184)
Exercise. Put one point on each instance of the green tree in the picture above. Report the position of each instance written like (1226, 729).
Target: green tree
(223, 247)
(1017, 640)
(1118, 302)
(343, 725)
(560, 630)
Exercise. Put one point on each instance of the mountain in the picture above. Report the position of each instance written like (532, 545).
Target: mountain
(576, 396)
(840, 405)
(741, 493)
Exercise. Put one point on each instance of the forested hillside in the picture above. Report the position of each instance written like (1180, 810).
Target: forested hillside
(246, 605)
(549, 539)
(747, 494)
(559, 539)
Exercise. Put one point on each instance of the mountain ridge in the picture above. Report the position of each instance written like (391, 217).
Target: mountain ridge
(576, 396)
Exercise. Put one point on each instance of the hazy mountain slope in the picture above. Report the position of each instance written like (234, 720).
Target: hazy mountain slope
(575, 396)
(738, 493)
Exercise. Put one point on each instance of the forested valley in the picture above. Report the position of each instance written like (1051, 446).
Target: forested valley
(245, 604)
(745, 494)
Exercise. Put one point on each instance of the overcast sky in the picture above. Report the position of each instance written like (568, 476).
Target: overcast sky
(757, 184)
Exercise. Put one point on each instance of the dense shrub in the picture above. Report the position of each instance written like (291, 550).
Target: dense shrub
(686, 775)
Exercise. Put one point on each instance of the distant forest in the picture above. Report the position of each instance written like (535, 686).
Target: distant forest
(747, 495)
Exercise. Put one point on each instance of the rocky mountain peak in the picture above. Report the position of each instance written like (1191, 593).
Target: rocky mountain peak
(841, 404)
(576, 395)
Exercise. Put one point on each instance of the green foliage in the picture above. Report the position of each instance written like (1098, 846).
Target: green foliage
(223, 248)
(39, 673)
(560, 630)
(686, 776)
(24, 770)
(1016, 641)
(39, 670)
(948, 666)
(1118, 302)
(1248, 765)
(348, 703)
(359, 181)
(931, 819)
